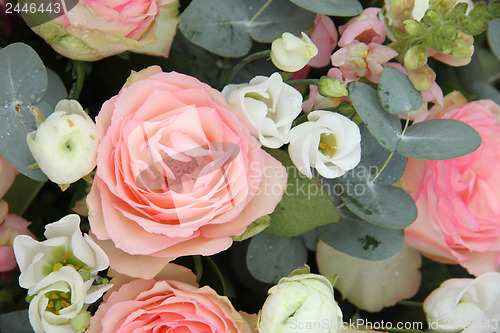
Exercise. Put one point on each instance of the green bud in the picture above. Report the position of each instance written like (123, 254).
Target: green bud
(432, 17)
(462, 21)
(416, 57)
(81, 321)
(445, 47)
(330, 87)
(460, 49)
(459, 9)
(450, 33)
(476, 27)
(494, 8)
(414, 28)
(479, 9)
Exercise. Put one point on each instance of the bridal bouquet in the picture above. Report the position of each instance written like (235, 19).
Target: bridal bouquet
(249, 166)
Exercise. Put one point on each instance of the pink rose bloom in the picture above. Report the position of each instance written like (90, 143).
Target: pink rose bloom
(324, 36)
(7, 176)
(177, 173)
(166, 306)
(365, 28)
(318, 102)
(10, 226)
(95, 29)
(458, 200)
(358, 60)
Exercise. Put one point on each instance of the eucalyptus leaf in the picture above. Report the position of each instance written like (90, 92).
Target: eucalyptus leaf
(305, 204)
(22, 193)
(23, 82)
(15, 322)
(396, 92)
(494, 37)
(373, 158)
(360, 239)
(269, 258)
(386, 128)
(331, 7)
(385, 206)
(226, 28)
(439, 139)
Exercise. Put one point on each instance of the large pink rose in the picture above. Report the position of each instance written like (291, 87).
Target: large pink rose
(166, 306)
(94, 29)
(458, 200)
(177, 173)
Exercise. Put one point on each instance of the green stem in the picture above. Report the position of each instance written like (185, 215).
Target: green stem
(304, 82)
(260, 10)
(411, 303)
(392, 152)
(198, 267)
(246, 60)
(80, 70)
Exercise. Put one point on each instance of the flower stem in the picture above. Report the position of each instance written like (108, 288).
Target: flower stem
(80, 70)
(305, 81)
(246, 60)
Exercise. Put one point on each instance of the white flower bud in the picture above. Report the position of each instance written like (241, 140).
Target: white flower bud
(328, 142)
(65, 144)
(471, 305)
(267, 106)
(300, 303)
(290, 53)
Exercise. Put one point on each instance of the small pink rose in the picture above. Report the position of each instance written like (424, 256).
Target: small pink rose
(324, 36)
(177, 173)
(166, 306)
(365, 28)
(458, 200)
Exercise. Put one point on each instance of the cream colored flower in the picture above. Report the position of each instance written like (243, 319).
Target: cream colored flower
(65, 144)
(290, 53)
(267, 105)
(328, 142)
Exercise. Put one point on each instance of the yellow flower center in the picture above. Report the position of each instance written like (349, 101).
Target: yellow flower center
(58, 300)
(328, 145)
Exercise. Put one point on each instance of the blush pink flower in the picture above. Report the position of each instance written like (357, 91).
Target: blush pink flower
(458, 200)
(166, 306)
(358, 60)
(324, 35)
(7, 175)
(365, 28)
(177, 173)
(10, 226)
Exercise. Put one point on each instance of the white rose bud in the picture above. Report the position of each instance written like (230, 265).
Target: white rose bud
(267, 106)
(65, 246)
(300, 303)
(471, 305)
(328, 142)
(59, 298)
(290, 53)
(65, 144)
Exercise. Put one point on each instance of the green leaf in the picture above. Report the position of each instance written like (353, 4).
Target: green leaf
(254, 228)
(15, 322)
(385, 206)
(21, 193)
(439, 139)
(361, 239)
(494, 37)
(384, 127)
(396, 92)
(228, 27)
(269, 258)
(23, 82)
(300, 271)
(305, 204)
(331, 7)
(373, 157)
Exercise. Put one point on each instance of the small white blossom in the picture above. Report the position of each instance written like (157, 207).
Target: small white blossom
(300, 303)
(290, 53)
(328, 142)
(267, 106)
(65, 144)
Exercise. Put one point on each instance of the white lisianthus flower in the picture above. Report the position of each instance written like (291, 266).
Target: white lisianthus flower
(65, 144)
(471, 305)
(267, 106)
(65, 246)
(59, 298)
(328, 142)
(290, 53)
(300, 303)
